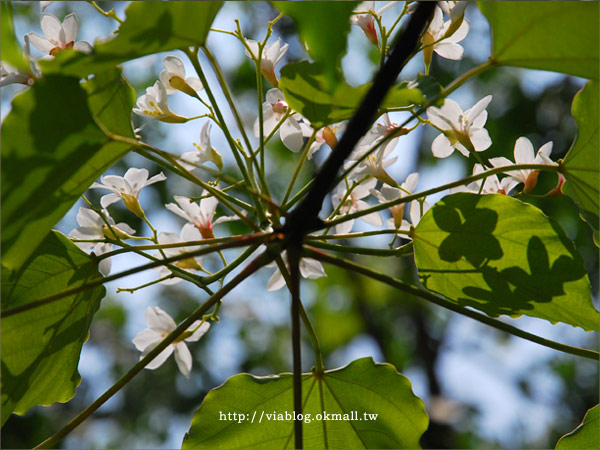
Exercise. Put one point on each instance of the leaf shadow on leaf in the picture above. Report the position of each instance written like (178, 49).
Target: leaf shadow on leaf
(512, 290)
(57, 328)
(467, 223)
(159, 34)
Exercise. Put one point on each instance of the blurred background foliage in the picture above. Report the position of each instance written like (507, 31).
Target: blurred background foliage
(448, 358)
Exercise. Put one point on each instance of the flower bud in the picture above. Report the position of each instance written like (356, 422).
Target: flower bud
(531, 181)
(330, 137)
(132, 204)
(557, 190)
(180, 84)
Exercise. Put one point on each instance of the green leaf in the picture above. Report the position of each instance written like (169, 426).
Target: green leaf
(502, 256)
(585, 436)
(322, 28)
(53, 148)
(303, 85)
(41, 346)
(149, 27)
(362, 387)
(10, 49)
(581, 163)
(557, 36)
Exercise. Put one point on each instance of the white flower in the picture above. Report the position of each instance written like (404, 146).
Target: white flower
(127, 188)
(204, 152)
(353, 203)
(91, 226)
(309, 268)
(200, 215)
(326, 135)
(388, 194)
(188, 233)
(460, 130)
(155, 104)
(491, 185)
(375, 163)
(173, 77)
(10, 75)
(271, 55)
(524, 154)
(365, 20)
(443, 37)
(58, 36)
(274, 109)
(160, 325)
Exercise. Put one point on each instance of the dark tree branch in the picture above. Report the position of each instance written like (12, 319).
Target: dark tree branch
(305, 217)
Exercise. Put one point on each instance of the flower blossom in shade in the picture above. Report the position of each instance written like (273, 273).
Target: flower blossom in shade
(127, 188)
(462, 131)
(11, 75)
(353, 202)
(160, 325)
(271, 55)
(173, 77)
(58, 36)
(92, 226)
(204, 152)
(155, 104)
(443, 37)
(389, 193)
(188, 233)
(200, 215)
(524, 154)
(375, 163)
(366, 21)
(326, 135)
(491, 185)
(309, 268)
(290, 131)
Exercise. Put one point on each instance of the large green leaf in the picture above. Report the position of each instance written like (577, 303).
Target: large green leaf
(53, 148)
(581, 163)
(398, 417)
(557, 36)
(149, 27)
(41, 346)
(323, 28)
(585, 436)
(502, 256)
(10, 49)
(303, 85)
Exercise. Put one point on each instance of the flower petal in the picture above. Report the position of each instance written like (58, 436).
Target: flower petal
(291, 135)
(183, 358)
(146, 339)
(449, 50)
(40, 42)
(109, 199)
(53, 29)
(311, 269)
(201, 331)
(159, 321)
(524, 151)
(276, 281)
(159, 359)
(441, 147)
(83, 47)
(480, 139)
(70, 28)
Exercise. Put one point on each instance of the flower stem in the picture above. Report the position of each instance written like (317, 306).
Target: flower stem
(440, 301)
(453, 184)
(183, 326)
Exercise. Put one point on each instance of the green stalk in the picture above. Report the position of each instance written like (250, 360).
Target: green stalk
(247, 240)
(441, 301)
(127, 377)
(453, 184)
